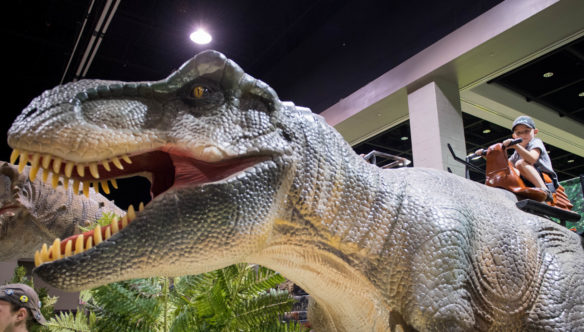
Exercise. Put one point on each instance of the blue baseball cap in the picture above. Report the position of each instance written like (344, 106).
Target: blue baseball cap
(524, 120)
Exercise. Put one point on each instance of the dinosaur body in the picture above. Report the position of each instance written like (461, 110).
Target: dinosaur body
(239, 176)
(33, 213)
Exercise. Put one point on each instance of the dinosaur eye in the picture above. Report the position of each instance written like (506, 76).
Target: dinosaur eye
(199, 91)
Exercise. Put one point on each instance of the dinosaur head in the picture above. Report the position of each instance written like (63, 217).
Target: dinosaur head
(209, 138)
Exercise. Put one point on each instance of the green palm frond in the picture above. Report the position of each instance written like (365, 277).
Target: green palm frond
(70, 322)
(129, 305)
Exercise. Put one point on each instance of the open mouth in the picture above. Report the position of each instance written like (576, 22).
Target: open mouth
(165, 170)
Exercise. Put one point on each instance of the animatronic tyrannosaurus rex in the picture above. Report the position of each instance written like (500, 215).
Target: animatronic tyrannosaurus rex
(32, 212)
(239, 176)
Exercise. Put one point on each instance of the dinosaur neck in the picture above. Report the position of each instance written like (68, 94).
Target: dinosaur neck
(337, 192)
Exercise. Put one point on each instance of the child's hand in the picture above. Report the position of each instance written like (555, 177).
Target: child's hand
(507, 142)
(479, 152)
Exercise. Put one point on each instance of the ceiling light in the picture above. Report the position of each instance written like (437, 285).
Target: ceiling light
(404, 138)
(581, 94)
(570, 161)
(548, 74)
(486, 131)
(201, 37)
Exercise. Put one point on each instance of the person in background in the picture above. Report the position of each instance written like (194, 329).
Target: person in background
(19, 308)
(530, 157)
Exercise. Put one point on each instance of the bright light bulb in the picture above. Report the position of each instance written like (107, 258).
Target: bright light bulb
(548, 74)
(201, 37)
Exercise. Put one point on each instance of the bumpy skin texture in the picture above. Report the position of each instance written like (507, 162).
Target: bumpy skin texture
(33, 213)
(373, 247)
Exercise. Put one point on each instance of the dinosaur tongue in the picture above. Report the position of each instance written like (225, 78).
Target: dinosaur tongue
(191, 172)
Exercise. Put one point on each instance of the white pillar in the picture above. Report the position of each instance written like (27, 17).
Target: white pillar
(435, 120)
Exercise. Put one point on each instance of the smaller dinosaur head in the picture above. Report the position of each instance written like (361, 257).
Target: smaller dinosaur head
(33, 212)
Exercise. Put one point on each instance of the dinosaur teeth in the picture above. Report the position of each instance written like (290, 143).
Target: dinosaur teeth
(97, 238)
(55, 181)
(114, 225)
(77, 244)
(131, 213)
(80, 170)
(22, 162)
(117, 163)
(57, 165)
(89, 243)
(93, 170)
(106, 165)
(56, 249)
(37, 258)
(76, 183)
(46, 161)
(44, 253)
(104, 186)
(68, 169)
(86, 188)
(45, 175)
(127, 159)
(34, 166)
(68, 248)
(14, 155)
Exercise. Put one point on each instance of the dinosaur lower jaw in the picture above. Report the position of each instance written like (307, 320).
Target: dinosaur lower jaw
(165, 170)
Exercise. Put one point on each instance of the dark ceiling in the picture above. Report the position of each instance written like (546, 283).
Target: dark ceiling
(311, 52)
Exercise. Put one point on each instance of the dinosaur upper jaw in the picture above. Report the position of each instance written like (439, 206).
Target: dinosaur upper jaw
(166, 168)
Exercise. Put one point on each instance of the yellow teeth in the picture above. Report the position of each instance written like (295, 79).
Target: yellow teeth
(93, 170)
(131, 213)
(76, 186)
(81, 170)
(56, 249)
(69, 169)
(14, 155)
(22, 162)
(117, 163)
(104, 187)
(97, 239)
(114, 225)
(46, 161)
(68, 248)
(44, 253)
(106, 165)
(127, 159)
(77, 244)
(86, 188)
(59, 167)
(55, 181)
(34, 167)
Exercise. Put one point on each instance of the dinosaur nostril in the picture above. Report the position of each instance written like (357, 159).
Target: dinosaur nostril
(30, 111)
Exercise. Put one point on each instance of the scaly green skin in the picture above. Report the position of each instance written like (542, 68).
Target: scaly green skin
(33, 213)
(374, 248)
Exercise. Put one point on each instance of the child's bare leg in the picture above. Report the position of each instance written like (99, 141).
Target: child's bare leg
(530, 173)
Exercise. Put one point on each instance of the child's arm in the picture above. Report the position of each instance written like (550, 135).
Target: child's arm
(530, 156)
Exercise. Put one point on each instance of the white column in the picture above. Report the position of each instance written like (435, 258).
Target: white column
(435, 120)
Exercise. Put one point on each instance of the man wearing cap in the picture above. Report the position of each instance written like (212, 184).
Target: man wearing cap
(530, 157)
(19, 308)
